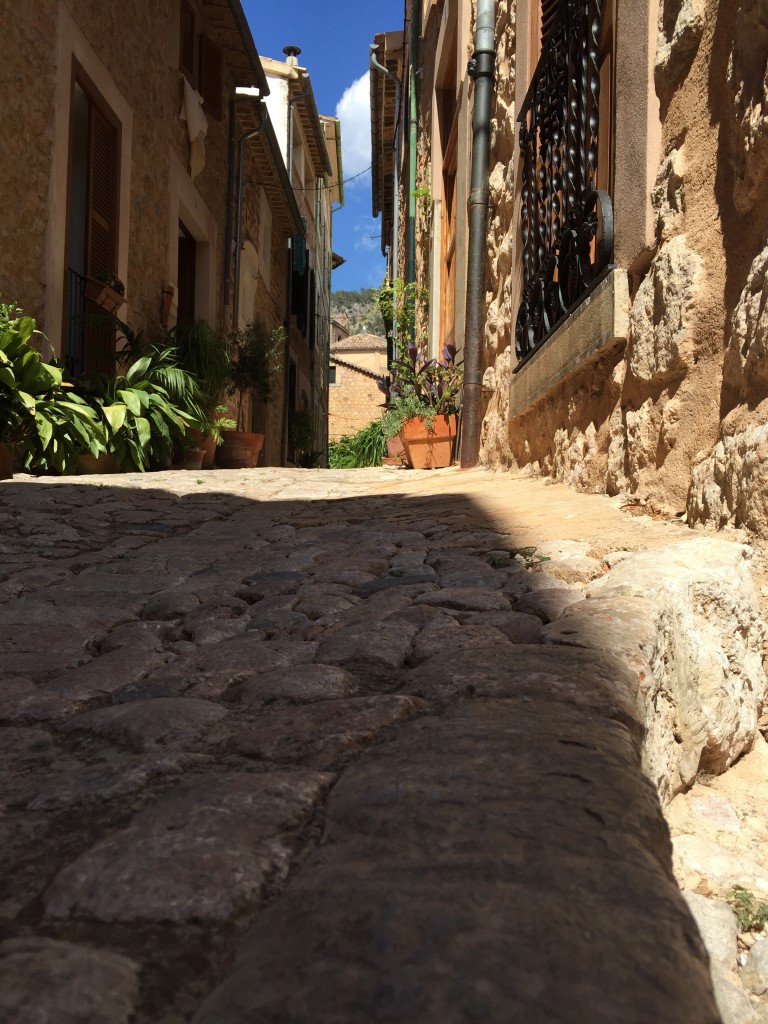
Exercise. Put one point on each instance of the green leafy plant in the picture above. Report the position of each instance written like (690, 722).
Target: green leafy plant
(204, 352)
(147, 410)
(751, 913)
(365, 448)
(112, 280)
(255, 362)
(44, 423)
(301, 436)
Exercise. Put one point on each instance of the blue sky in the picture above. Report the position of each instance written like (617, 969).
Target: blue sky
(334, 40)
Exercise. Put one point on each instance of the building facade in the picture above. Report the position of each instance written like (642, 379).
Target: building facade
(357, 363)
(625, 311)
(311, 148)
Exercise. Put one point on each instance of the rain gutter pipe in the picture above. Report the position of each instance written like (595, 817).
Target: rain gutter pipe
(412, 143)
(481, 69)
(254, 95)
(375, 63)
(240, 175)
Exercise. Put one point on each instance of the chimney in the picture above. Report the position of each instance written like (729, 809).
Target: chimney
(292, 55)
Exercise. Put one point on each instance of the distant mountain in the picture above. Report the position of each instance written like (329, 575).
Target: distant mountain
(358, 311)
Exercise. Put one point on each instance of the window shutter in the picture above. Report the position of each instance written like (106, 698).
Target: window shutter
(102, 188)
(210, 76)
(549, 9)
(187, 41)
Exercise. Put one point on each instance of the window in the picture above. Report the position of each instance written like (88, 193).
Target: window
(185, 312)
(566, 146)
(331, 375)
(92, 217)
(200, 60)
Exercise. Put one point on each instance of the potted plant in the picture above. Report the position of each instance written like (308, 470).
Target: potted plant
(106, 290)
(43, 424)
(204, 352)
(301, 437)
(423, 395)
(255, 362)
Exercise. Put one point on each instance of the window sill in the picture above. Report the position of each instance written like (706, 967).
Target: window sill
(599, 324)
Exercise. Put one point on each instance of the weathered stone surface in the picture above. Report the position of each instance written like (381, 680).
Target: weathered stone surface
(469, 599)
(754, 975)
(44, 651)
(43, 981)
(600, 683)
(202, 852)
(107, 673)
(732, 1001)
(389, 582)
(23, 701)
(97, 783)
(300, 683)
(443, 635)
(681, 24)
(730, 482)
(515, 626)
(522, 582)
(171, 604)
(748, 86)
(660, 318)
(320, 733)
(136, 635)
(668, 196)
(706, 867)
(717, 926)
(243, 656)
(144, 724)
(411, 911)
(378, 643)
(548, 605)
(707, 671)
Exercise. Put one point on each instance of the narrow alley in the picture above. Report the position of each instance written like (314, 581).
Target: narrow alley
(343, 746)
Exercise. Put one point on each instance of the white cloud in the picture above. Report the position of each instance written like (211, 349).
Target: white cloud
(354, 112)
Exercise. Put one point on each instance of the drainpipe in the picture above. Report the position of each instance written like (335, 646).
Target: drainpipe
(481, 69)
(413, 126)
(375, 63)
(242, 94)
(240, 175)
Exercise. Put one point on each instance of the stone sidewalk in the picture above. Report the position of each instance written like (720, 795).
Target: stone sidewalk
(310, 746)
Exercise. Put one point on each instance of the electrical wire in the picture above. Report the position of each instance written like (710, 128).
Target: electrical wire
(321, 187)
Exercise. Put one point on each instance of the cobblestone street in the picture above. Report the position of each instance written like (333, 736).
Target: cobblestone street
(312, 746)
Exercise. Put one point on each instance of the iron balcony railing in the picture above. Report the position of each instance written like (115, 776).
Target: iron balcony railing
(566, 221)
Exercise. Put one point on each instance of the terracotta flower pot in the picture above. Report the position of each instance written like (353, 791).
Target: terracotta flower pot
(6, 462)
(193, 458)
(88, 464)
(429, 447)
(208, 444)
(240, 450)
(396, 450)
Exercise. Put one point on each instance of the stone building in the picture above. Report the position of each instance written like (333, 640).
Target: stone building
(625, 277)
(311, 149)
(127, 127)
(357, 363)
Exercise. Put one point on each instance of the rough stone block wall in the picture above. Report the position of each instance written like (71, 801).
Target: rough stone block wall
(677, 417)
(354, 402)
(27, 73)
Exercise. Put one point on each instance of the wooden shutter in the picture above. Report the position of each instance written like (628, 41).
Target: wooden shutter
(101, 254)
(549, 10)
(187, 41)
(210, 76)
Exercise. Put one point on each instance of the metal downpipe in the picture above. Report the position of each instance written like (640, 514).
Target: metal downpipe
(481, 69)
(238, 244)
(413, 128)
(395, 253)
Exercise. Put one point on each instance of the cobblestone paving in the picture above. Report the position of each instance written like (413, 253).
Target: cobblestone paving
(289, 747)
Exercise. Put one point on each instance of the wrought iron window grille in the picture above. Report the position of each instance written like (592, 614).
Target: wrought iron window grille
(566, 220)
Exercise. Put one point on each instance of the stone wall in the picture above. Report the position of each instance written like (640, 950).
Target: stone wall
(677, 413)
(354, 401)
(134, 43)
(27, 73)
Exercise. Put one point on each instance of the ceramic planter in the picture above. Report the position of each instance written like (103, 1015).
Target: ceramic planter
(240, 450)
(104, 295)
(395, 452)
(429, 447)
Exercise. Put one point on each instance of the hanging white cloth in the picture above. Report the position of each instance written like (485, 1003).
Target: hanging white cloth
(197, 127)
